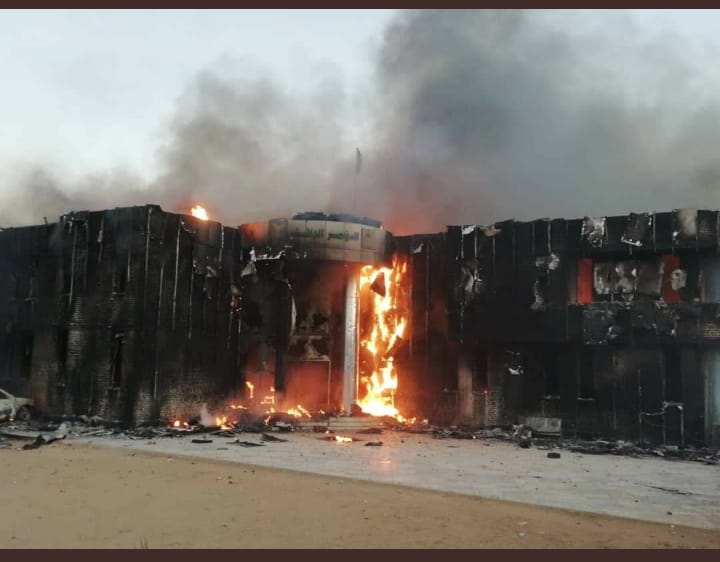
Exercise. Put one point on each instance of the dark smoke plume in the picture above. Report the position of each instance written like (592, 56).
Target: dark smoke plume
(246, 148)
(477, 116)
(493, 115)
(239, 144)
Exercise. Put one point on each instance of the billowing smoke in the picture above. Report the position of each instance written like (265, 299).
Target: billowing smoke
(247, 148)
(491, 115)
(30, 194)
(239, 144)
(477, 116)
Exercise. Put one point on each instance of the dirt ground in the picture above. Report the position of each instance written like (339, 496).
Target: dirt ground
(77, 495)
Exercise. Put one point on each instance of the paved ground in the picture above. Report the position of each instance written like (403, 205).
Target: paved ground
(651, 489)
(69, 494)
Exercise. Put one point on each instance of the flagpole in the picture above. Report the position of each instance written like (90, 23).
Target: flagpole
(358, 164)
(355, 194)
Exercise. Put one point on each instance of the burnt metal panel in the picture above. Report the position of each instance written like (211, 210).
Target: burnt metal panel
(710, 322)
(94, 279)
(541, 237)
(503, 252)
(687, 323)
(593, 234)
(615, 230)
(573, 237)
(663, 232)
(707, 229)
(603, 324)
(638, 230)
(525, 271)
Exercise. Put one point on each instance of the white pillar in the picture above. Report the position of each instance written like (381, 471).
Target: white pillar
(350, 333)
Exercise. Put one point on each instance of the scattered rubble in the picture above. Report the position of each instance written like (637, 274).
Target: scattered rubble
(47, 438)
(246, 443)
(273, 439)
(522, 436)
(44, 432)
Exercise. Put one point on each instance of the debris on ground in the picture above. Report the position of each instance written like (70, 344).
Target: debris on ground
(223, 433)
(47, 438)
(553, 455)
(201, 441)
(523, 436)
(453, 433)
(43, 431)
(273, 439)
(524, 439)
(246, 443)
(371, 431)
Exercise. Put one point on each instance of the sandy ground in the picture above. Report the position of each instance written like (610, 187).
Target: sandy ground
(72, 494)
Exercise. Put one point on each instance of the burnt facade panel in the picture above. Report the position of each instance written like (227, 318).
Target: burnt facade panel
(129, 313)
(610, 324)
(626, 306)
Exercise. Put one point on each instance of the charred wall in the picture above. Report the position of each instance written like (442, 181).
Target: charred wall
(135, 314)
(427, 361)
(610, 324)
(126, 313)
(27, 267)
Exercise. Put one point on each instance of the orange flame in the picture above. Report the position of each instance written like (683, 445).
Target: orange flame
(270, 398)
(341, 439)
(222, 422)
(199, 213)
(299, 412)
(251, 386)
(389, 323)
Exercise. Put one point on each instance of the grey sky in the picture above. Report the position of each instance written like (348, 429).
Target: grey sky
(95, 91)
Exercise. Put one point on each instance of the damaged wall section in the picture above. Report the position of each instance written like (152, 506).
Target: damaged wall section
(610, 324)
(427, 361)
(125, 314)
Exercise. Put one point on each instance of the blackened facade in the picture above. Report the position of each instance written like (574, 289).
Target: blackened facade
(125, 313)
(138, 315)
(611, 325)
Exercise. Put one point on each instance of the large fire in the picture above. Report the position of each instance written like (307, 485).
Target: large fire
(389, 320)
(199, 212)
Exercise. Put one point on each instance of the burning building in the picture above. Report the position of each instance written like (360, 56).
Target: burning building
(605, 326)
(317, 352)
(137, 315)
(587, 327)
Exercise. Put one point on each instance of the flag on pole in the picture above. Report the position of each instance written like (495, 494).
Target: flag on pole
(358, 161)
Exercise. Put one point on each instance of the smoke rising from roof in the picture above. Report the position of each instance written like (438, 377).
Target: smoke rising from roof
(477, 116)
(239, 144)
(494, 115)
